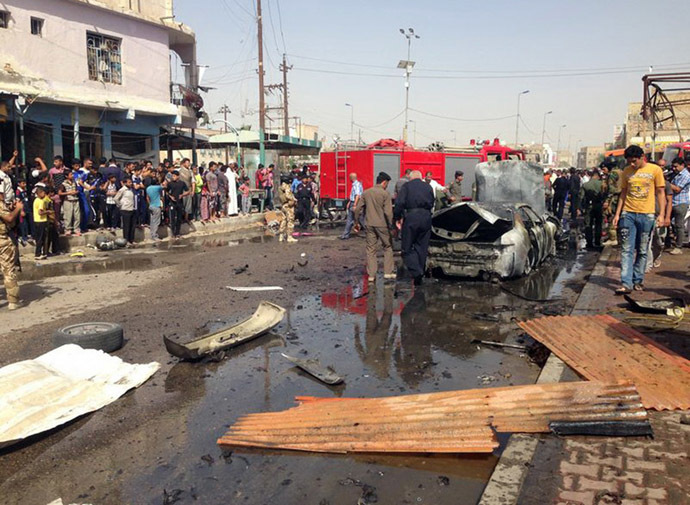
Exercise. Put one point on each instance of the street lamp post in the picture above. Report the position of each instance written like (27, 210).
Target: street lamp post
(543, 128)
(407, 65)
(517, 120)
(237, 135)
(352, 121)
(558, 148)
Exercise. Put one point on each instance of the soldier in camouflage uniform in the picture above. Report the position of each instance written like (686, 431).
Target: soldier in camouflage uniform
(8, 250)
(613, 193)
(592, 200)
(289, 202)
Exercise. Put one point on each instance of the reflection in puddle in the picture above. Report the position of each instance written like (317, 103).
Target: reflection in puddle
(385, 340)
(33, 272)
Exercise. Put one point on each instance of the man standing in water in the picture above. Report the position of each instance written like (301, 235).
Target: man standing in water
(413, 215)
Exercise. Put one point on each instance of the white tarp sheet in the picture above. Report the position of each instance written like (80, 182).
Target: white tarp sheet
(63, 384)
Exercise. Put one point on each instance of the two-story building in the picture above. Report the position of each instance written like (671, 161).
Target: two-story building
(93, 77)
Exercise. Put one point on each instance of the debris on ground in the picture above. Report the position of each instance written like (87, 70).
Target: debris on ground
(368, 492)
(661, 376)
(315, 369)
(668, 306)
(480, 316)
(499, 344)
(77, 254)
(241, 270)
(59, 386)
(251, 289)
(602, 428)
(302, 261)
(266, 317)
(453, 422)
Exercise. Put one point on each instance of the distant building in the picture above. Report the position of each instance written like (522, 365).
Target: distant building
(637, 134)
(590, 156)
(92, 77)
(564, 159)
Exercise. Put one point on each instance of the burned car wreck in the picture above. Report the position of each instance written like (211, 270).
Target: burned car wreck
(505, 233)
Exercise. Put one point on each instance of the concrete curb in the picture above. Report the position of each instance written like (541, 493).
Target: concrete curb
(506, 481)
(197, 229)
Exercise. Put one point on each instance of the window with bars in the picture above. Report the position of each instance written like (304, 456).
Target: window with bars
(4, 19)
(37, 26)
(104, 57)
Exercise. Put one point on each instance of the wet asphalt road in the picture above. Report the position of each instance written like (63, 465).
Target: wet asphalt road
(157, 444)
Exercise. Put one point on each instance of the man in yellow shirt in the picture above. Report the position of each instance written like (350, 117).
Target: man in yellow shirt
(642, 184)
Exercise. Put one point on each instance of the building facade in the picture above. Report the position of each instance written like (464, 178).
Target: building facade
(92, 77)
(590, 156)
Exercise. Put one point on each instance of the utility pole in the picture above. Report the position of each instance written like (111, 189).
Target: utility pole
(225, 110)
(262, 99)
(284, 68)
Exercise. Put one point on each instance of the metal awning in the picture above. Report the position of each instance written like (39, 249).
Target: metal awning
(180, 139)
(250, 139)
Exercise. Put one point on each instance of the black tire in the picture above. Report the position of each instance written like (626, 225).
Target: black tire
(107, 337)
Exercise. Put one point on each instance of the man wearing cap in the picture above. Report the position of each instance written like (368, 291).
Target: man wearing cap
(455, 188)
(8, 251)
(378, 205)
(412, 214)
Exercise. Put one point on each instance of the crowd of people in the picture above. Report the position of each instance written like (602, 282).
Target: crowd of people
(642, 206)
(112, 196)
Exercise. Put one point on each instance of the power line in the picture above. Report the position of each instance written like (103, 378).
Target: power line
(385, 122)
(478, 77)
(501, 72)
(280, 24)
(475, 120)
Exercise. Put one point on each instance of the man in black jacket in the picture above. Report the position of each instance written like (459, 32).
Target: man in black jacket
(412, 213)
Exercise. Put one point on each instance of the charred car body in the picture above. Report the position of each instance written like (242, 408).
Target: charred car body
(505, 233)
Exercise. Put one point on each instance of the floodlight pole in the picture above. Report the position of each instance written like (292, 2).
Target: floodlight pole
(409, 35)
(517, 120)
(543, 128)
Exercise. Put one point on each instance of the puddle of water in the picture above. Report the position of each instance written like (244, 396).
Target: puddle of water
(37, 271)
(384, 341)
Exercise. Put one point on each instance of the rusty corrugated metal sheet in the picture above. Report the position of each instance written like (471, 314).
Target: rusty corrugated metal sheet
(604, 349)
(456, 422)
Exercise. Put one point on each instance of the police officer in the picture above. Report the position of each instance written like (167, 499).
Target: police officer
(592, 201)
(412, 213)
(613, 193)
(305, 199)
(8, 250)
(289, 202)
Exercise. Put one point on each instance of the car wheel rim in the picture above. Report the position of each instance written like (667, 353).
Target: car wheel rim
(90, 328)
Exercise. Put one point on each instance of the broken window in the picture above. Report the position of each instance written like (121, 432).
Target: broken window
(4, 19)
(104, 58)
(37, 26)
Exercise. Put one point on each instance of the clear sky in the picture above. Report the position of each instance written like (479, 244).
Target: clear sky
(581, 59)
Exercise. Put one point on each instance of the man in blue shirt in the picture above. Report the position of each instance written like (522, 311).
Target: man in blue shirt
(355, 195)
(680, 184)
(153, 196)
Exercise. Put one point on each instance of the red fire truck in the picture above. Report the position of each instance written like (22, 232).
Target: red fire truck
(336, 167)
(679, 150)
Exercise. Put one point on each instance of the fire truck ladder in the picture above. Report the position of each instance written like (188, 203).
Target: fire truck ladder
(341, 174)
